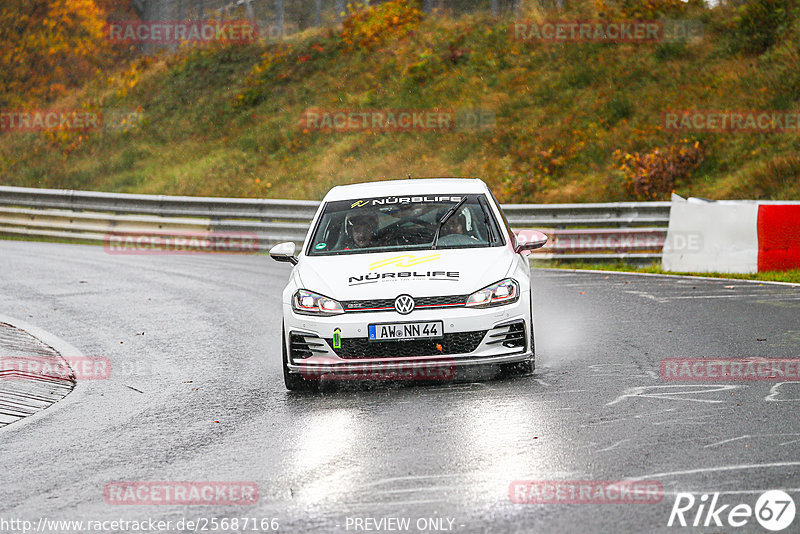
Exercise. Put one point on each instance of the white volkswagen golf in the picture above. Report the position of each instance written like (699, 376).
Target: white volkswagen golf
(407, 279)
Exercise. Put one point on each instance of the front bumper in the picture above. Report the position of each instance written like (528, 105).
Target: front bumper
(442, 368)
(472, 337)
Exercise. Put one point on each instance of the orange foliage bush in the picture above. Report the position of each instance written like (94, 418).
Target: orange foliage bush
(48, 46)
(656, 174)
(369, 26)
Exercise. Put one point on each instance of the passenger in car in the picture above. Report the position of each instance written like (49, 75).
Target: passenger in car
(457, 225)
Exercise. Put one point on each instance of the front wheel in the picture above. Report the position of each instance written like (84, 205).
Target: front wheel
(293, 381)
(521, 368)
(517, 368)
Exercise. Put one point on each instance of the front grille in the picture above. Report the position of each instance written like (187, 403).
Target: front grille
(455, 343)
(451, 300)
(446, 301)
(512, 337)
(304, 345)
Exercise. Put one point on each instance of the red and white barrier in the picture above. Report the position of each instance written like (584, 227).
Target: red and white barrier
(778, 237)
(732, 236)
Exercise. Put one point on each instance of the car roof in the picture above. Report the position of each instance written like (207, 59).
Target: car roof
(413, 186)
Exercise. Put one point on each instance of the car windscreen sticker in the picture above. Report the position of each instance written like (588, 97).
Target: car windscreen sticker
(401, 201)
(404, 260)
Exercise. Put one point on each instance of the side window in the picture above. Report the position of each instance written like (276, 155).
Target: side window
(511, 237)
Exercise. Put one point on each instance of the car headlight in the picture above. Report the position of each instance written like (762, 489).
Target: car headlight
(503, 292)
(310, 303)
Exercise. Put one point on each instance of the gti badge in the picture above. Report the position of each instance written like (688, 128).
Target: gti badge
(404, 304)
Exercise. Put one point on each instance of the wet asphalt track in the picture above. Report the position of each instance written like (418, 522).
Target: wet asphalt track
(194, 340)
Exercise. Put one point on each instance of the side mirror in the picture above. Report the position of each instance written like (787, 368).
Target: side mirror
(283, 252)
(528, 240)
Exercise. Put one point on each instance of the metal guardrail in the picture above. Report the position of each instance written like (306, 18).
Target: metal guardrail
(589, 232)
(608, 214)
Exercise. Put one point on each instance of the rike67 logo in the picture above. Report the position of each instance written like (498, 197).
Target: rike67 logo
(774, 510)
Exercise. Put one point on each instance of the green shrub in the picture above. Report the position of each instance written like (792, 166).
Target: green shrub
(779, 71)
(670, 51)
(774, 178)
(617, 109)
(644, 9)
(759, 24)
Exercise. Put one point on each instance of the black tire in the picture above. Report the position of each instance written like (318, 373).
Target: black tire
(532, 362)
(521, 368)
(293, 381)
(508, 370)
(533, 344)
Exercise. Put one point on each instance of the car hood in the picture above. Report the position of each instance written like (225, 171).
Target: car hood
(418, 273)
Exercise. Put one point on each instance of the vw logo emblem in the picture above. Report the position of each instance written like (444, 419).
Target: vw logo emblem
(404, 304)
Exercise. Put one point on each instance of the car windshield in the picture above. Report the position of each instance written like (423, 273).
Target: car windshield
(382, 224)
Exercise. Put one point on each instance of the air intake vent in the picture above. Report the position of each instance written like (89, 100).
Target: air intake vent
(305, 345)
(511, 336)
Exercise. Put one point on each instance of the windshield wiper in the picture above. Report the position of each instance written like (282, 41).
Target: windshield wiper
(444, 219)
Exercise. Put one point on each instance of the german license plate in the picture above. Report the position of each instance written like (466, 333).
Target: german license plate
(404, 331)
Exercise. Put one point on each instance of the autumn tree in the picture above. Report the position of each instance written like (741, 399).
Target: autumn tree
(48, 46)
